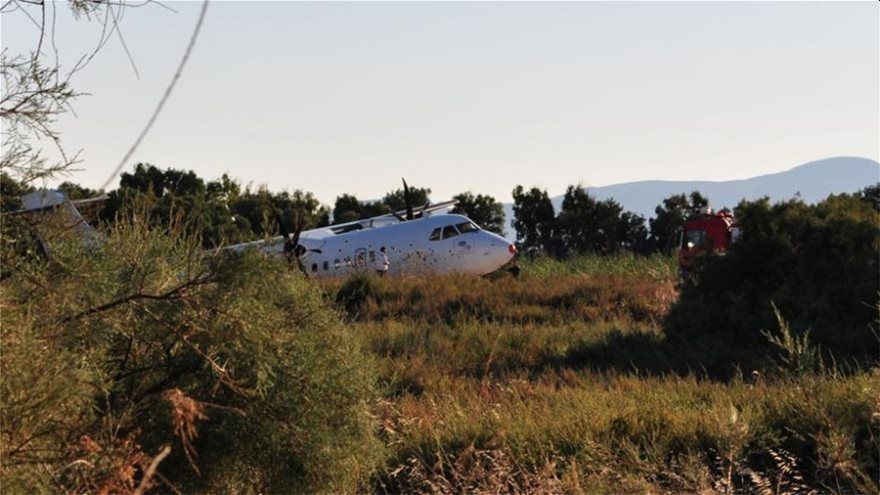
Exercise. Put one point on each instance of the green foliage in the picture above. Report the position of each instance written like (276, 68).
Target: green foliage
(418, 196)
(796, 353)
(349, 209)
(482, 209)
(356, 292)
(115, 351)
(671, 216)
(657, 266)
(871, 195)
(11, 192)
(533, 219)
(587, 225)
(583, 225)
(223, 212)
(818, 263)
(74, 191)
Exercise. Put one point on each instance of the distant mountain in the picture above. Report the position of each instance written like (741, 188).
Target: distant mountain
(812, 181)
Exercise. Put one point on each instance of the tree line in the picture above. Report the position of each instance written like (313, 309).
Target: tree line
(227, 212)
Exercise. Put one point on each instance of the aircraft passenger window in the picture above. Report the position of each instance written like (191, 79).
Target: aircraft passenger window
(326, 265)
(435, 236)
(466, 227)
(314, 267)
(449, 231)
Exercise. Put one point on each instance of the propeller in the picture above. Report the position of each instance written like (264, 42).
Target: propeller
(411, 213)
(406, 199)
(292, 248)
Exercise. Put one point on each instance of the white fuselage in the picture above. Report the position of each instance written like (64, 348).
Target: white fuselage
(437, 244)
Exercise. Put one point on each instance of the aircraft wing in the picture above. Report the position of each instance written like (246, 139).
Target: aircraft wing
(313, 242)
(397, 216)
(428, 208)
(46, 200)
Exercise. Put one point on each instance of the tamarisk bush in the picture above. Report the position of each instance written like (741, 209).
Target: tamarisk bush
(141, 363)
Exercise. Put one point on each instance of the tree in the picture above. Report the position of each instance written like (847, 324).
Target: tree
(11, 191)
(534, 219)
(482, 209)
(632, 233)
(817, 264)
(670, 217)
(220, 209)
(587, 225)
(370, 209)
(418, 196)
(346, 209)
(871, 195)
(75, 191)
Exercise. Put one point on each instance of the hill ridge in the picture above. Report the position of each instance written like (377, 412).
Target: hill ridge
(811, 181)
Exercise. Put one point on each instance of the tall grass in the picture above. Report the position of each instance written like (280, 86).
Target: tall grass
(657, 266)
(560, 298)
(414, 355)
(624, 433)
(562, 380)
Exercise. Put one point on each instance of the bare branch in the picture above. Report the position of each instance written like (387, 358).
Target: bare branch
(122, 41)
(146, 481)
(171, 294)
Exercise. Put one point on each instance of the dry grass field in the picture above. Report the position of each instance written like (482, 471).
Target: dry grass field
(561, 381)
(236, 374)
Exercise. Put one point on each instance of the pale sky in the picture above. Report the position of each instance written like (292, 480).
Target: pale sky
(349, 97)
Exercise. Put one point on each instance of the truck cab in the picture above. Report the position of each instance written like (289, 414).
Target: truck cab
(710, 232)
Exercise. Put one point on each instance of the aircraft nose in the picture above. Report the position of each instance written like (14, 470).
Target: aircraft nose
(501, 249)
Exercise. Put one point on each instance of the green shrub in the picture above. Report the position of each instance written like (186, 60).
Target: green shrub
(114, 352)
(818, 264)
(356, 292)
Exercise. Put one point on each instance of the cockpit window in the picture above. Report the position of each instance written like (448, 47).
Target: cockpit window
(449, 231)
(466, 227)
(435, 235)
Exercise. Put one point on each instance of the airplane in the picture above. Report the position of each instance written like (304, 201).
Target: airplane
(414, 242)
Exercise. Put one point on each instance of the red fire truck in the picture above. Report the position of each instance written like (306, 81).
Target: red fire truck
(708, 233)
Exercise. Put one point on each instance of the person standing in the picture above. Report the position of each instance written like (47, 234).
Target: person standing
(382, 269)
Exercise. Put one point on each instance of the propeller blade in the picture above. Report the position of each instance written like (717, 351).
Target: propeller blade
(423, 209)
(289, 244)
(406, 199)
(281, 227)
(300, 223)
